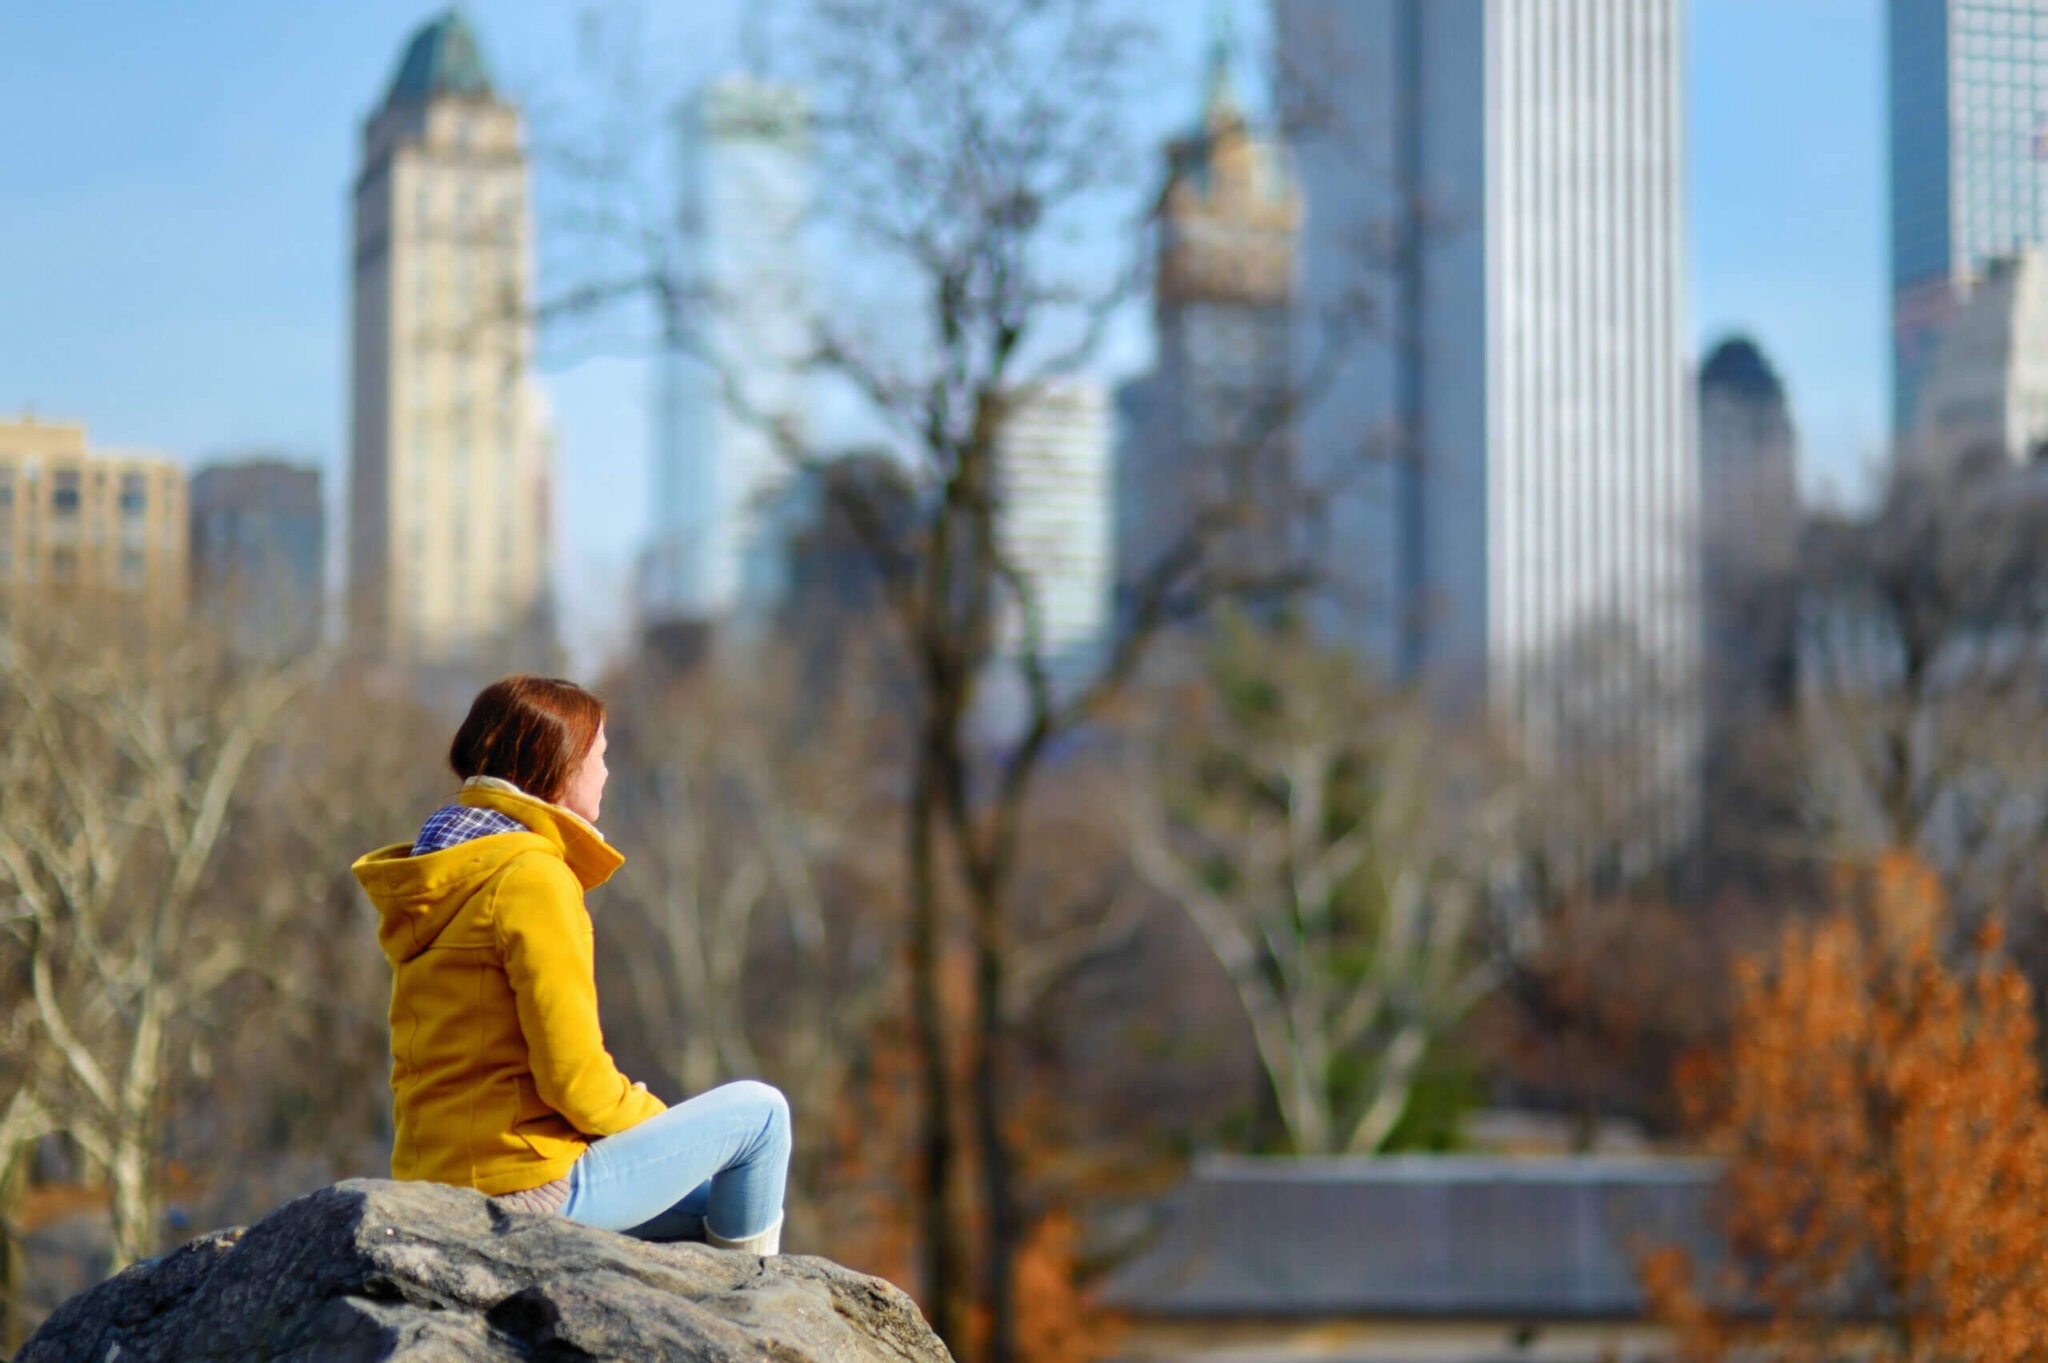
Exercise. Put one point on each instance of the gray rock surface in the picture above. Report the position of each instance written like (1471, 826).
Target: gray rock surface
(375, 1270)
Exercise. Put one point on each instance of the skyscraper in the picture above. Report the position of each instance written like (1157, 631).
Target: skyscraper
(259, 550)
(1749, 456)
(450, 453)
(1508, 449)
(732, 399)
(1984, 392)
(1749, 534)
(1053, 522)
(1210, 424)
(1969, 162)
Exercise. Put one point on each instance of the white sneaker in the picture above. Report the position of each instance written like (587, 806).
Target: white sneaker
(766, 1243)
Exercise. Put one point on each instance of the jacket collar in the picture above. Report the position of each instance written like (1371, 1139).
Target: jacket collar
(590, 857)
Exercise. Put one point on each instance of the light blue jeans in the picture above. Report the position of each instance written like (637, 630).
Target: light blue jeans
(719, 1160)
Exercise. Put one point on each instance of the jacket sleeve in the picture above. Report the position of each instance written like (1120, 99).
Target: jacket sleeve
(544, 936)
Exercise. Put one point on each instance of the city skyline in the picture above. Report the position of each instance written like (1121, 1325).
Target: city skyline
(159, 332)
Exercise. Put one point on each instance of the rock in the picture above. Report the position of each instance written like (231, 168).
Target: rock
(376, 1270)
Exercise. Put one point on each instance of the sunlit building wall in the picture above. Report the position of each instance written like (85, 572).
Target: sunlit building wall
(449, 526)
(78, 522)
(1984, 394)
(1054, 523)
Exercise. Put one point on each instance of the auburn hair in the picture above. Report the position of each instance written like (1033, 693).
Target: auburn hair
(531, 731)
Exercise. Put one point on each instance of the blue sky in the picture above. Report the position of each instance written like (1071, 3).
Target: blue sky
(172, 232)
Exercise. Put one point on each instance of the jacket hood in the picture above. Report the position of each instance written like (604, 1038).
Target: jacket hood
(417, 897)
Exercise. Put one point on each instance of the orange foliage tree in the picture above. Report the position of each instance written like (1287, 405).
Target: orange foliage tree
(871, 1168)
(1886, 1189)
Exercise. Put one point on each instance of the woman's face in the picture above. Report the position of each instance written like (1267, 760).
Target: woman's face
(586, 788)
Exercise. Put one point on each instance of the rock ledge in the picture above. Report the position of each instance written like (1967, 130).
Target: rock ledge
(376, 1270)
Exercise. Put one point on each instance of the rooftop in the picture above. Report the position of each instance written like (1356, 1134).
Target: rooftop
(1416, 1236)
(442, 59)
(1737, 366)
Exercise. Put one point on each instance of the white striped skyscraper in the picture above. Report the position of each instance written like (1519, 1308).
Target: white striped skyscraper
(1513, 437)
(1054, 523)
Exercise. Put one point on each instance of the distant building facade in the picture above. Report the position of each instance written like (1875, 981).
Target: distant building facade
(1750, 521)
(78, 522)
(1210, 426)
(839, 536)
(449, 483)
(1506, 444)
(1984, 390)
(1969, 163)
(1749, 460)
(259, 549)
(732, 395)
(1053, 523)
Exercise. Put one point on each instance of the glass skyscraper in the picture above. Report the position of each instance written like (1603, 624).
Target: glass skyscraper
(1969, 150)
(732, 401)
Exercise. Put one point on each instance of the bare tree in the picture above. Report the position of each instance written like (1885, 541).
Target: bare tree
(1924, 662)
(1336, 847)
(122, 754)
(300, 1075)
(974, 147)
(750, 816)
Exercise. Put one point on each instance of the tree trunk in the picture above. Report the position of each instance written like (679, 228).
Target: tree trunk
(941, 1248)
(135, 1218)
(1002, 1231)
(13, 1184)
(1397, 1081)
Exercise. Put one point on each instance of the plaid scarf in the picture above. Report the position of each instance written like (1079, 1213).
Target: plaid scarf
(452, 825)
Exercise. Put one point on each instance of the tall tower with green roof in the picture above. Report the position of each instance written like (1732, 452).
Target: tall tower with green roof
(1202, 428)
(450, 450)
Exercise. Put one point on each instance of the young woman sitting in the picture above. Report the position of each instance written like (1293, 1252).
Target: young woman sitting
(500, 1078)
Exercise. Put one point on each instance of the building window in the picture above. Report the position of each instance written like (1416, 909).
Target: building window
(63, 565)
(64, 492)
(133, 573)
(134, 494)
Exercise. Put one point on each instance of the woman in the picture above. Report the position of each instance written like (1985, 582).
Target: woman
(499, 1074)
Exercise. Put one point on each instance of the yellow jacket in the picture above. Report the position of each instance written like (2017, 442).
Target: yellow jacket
(499, 1073)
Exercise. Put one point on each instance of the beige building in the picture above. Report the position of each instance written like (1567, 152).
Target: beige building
(77, 522)
(1984, 398)
(1205, 429)
(450, 452)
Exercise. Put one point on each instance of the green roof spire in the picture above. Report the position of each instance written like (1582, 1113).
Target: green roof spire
(442, 59)
(1220, 100)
